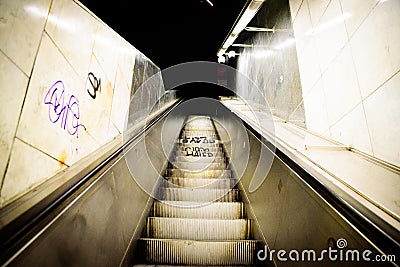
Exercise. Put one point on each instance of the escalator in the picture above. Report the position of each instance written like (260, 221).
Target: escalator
(199, 218)
(172, 196)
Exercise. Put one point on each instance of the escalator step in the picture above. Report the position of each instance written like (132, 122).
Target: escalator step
(199, 174)
(197, 229)
(199, 166)
(200, 159)
(215, 210)
(200, 147)
(200, 195)
(186, 252)
(218, 183)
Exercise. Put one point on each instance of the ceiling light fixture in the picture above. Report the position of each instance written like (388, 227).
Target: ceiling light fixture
(258, 29)
(208, 1)
(243, 45)
(232, 54)
(245, 16)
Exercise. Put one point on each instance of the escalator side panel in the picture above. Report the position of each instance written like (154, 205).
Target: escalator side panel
(94, 230)
(101, 222)
(289, 215)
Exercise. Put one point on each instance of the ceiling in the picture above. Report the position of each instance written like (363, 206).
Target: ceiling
(171, 32)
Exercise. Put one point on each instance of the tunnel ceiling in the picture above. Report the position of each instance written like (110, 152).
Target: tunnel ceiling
(171, 32)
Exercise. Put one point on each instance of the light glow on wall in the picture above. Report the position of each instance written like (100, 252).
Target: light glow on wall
(288, 42)
(60, 23)
(329, 24)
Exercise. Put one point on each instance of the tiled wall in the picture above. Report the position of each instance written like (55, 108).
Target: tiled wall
(349, 62)
(272, 63)
(53, 54)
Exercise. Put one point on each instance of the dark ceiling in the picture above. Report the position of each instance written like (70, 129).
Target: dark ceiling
(170, 32)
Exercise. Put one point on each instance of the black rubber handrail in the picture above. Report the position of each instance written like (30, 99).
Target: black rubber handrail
(14, 235)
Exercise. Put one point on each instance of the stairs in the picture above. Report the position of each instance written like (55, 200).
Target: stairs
(199, 218)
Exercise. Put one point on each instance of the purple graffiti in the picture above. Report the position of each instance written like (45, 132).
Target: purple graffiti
(66, 113)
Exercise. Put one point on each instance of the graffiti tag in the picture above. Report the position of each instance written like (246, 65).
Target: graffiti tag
(96, 85)
(197, 139)
(63, 109)
(198, 152)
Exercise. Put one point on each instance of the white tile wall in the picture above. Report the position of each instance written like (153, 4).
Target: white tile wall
(309, 68)
(106, 50)
(315, 109)
(12, 95)
(121, 101)
(376, 46)
(27, 18)
(383, 116)
(294, 8)
(352, 130)
(341, 88)
(330, 34)
(98, 109)
(28, 167)
(51, 67)
(359, 10)
(62, 44)
(317, 9)
(73, 31)
(357, 44)
(302, 24)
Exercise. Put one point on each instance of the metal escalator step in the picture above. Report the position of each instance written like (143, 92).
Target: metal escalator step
(199, 174)
(199, 155)
(221, 158)
(214, 210)
(197, 229)
(199, 141)
(163, 265)
(218, 183)
(200, 148)
(200, 195)
(198, 166)
(189, 252)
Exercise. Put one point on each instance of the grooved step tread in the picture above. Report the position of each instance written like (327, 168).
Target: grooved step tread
(199, 174)
(206, 210)
(199, 194)
(199, 159)
(199, 252)
(210, 183)
(199, 165)
(197, 229)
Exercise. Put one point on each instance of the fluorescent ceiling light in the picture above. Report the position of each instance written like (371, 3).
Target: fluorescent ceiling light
(221, 52)
(244, 19)
(242, 45)
(232, 54)
(258, 29)
(247, 16)
(208, 1)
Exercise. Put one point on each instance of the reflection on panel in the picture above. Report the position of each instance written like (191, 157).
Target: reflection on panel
(271, 64)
